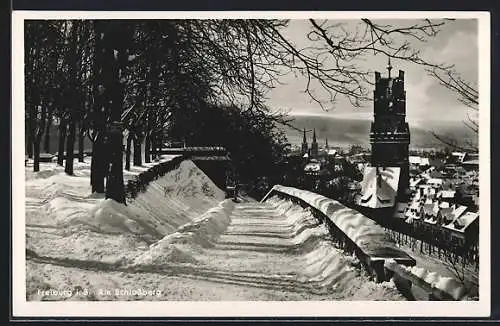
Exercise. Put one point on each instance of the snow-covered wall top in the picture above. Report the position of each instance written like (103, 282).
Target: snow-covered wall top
(448, 285)
(372, 240)
(370, 237)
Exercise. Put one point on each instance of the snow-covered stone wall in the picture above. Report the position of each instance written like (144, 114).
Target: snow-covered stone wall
(372, 239)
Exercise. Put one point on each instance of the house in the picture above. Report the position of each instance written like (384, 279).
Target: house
(463, 230)
(447, 195)
(418, 161)
(457, 158)
(313, 167)
(435, 182)
(435, 162)
(471, 165)
(414, 182)
(435, 174)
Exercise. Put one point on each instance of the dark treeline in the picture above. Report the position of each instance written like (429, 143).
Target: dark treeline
(194, 81)
(146, 80)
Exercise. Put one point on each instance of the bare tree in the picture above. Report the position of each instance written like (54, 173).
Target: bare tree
(467, 94)
(178, 67)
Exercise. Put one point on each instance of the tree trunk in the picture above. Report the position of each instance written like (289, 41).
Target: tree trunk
(115, 57)
(137, 152)
(153, 147)
(70, 148)
(147, 148)
(46, 142)
(36, 154)
(81, 136)
(127, 152)
(62, 138)
(98, 166)
(29, 144)
(115, 188)
(159, 145)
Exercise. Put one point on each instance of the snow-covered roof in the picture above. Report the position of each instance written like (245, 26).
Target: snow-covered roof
(461, 223)
(446, 211)
(455, 215)
(458, 211)
(331, 152)
(312, 167)
(415, 182)
(418, 160)
(435, 181)
(467, 219)
(414, 159)
(471, 162)
(401, 209)
(447, 194)
(459, 155)
(379, 187)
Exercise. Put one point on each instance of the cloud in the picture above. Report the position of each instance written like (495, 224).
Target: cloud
(426, 99)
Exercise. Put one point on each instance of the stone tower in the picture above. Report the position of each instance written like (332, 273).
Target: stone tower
(390, 134)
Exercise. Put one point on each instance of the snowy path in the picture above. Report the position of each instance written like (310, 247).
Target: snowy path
(267, 252)
(180, 240)
(288, 254)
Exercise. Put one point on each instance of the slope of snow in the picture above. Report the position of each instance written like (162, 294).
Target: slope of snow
(181, 240)
(67, 225)
(370, 237)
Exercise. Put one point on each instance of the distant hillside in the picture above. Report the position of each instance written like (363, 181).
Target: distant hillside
(342, 131)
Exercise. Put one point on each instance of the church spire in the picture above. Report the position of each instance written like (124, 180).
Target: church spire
(305, 147)
(314, 145)
(326, 143)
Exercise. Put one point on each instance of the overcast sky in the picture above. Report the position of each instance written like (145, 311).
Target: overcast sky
(455, 44)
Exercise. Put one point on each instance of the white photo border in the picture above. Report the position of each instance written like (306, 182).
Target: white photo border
(23, 308)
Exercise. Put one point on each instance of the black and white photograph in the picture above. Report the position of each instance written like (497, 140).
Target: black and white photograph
(262, 163)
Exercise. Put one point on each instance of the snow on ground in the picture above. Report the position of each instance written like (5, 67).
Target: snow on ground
(180, 240)
(466, 275)
(372, 239)
(65, 222)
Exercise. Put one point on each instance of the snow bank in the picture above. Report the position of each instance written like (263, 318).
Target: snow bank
(445, 284)
(63, 218)
(176, 247)
(175, 199)
(324, 265)
(370, 237)
(111, 216)
(448, 285)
